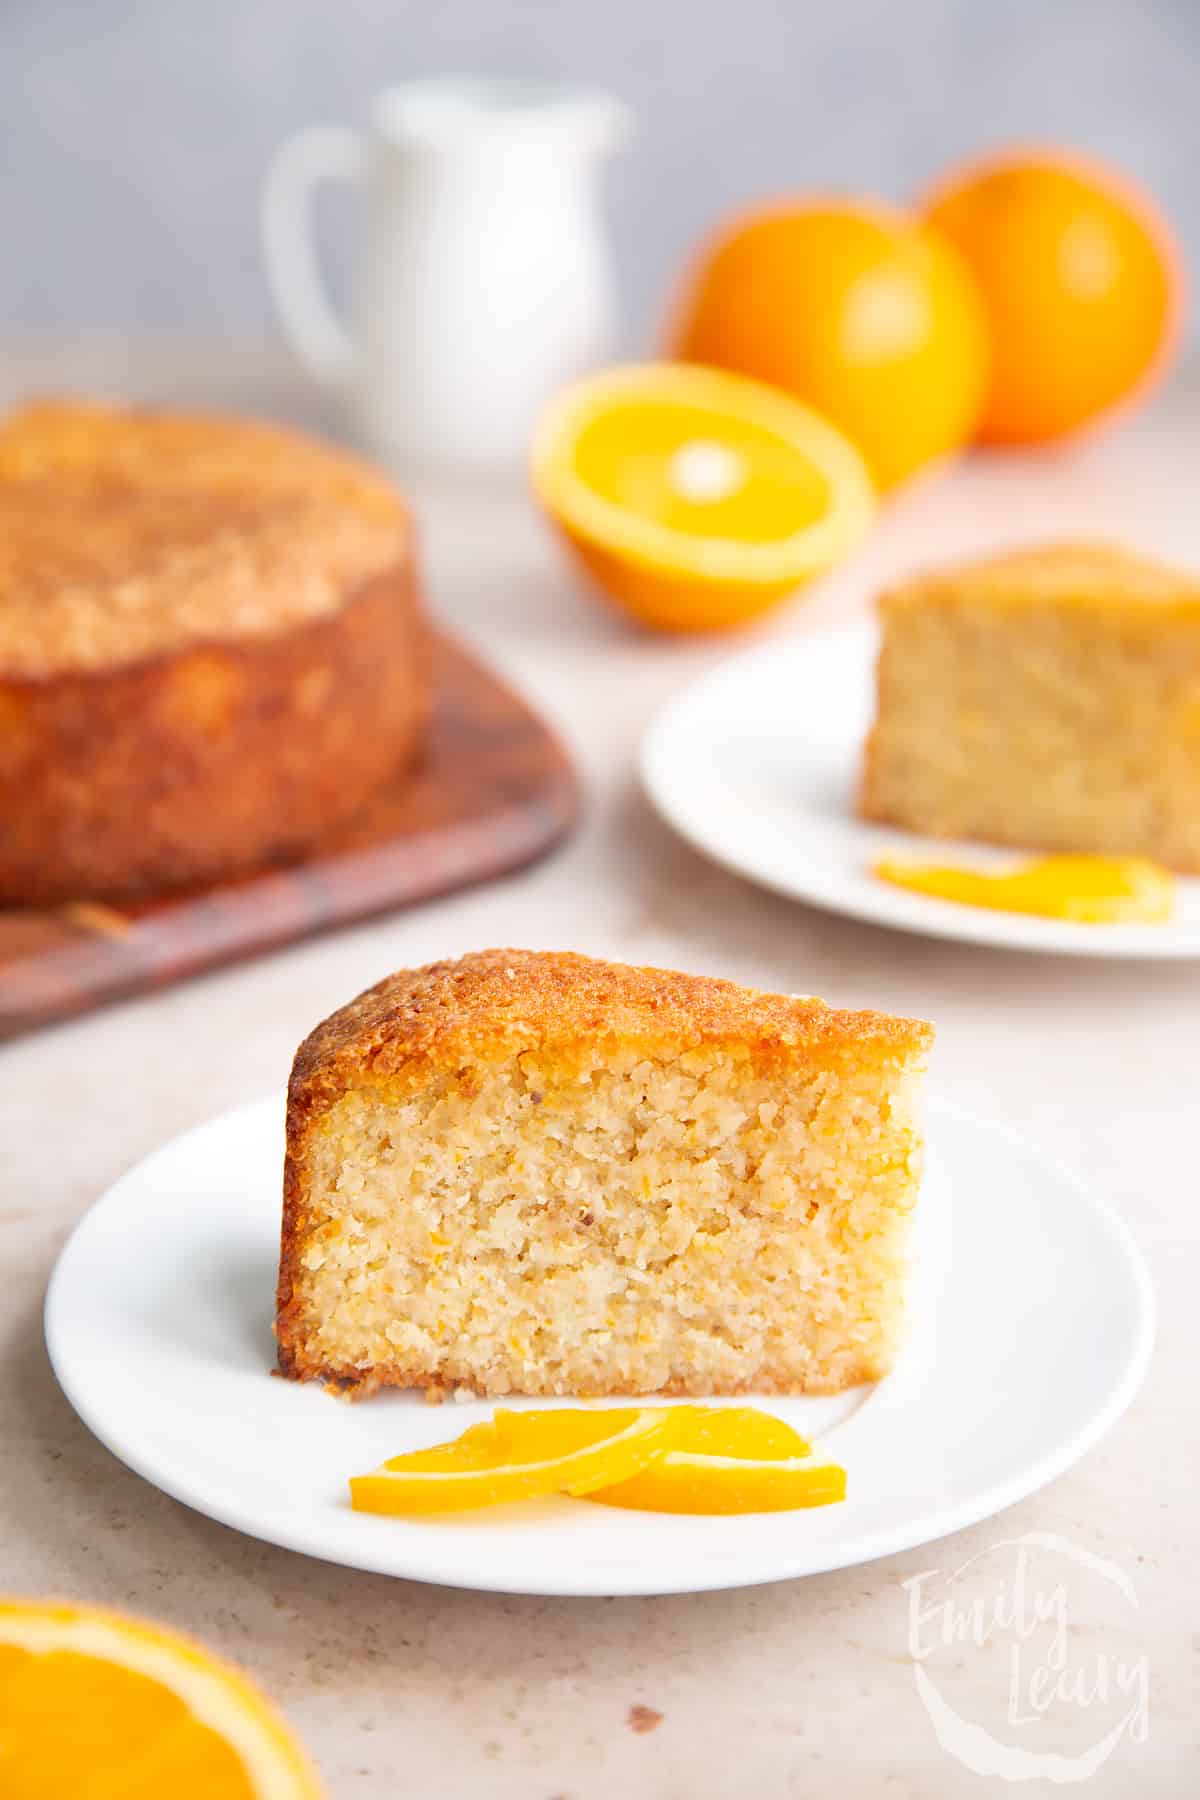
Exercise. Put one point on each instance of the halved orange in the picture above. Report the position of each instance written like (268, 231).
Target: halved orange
(570, 1451)
(98, 1704)
(730, 1459)
(694, 498)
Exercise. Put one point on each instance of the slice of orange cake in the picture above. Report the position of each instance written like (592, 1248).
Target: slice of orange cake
(1049, 698)
(535, 1173)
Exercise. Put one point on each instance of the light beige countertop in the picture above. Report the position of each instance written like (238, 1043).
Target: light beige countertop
(802, 1688)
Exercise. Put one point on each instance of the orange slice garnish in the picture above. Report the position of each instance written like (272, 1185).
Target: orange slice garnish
(95, 1703)
(730, 1460)
(684, 1483)
(687, 1459)
(1088, 890)
(571, 1451)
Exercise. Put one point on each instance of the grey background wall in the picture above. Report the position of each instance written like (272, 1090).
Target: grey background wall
(134, 132)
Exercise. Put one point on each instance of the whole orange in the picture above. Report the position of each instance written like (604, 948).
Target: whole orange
(1082, 282)
(864, 313)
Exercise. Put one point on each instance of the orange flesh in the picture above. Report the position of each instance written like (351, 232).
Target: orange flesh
(1090, 890)
(99, 1705)
(71, 1723)
(779, 491)
(695, 499)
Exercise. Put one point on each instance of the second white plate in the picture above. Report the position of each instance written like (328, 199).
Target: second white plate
(757, 763)
(1032, 1323)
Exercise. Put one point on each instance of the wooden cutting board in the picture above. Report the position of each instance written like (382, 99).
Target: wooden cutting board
(494, 791)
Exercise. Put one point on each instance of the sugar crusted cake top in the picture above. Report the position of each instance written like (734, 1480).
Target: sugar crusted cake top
(129, 534)
(494, 1004)
(1086, 575)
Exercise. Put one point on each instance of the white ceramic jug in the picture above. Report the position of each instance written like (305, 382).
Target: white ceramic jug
(483, 279)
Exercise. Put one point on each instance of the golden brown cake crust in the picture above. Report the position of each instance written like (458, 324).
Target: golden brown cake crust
(128, 535)
(1086, 574)
(491, 1006)
(211, 649)
(191, 769)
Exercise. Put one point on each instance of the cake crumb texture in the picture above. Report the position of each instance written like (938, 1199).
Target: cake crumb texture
(537, 1173)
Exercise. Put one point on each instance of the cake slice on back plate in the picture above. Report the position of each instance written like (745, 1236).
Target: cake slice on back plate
(1049, 698)
(540, 1174)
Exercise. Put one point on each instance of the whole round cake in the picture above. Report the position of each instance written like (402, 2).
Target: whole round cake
(211, 648)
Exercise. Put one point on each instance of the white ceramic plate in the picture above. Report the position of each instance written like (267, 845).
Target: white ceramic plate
(757, 763)
(1032, 1324)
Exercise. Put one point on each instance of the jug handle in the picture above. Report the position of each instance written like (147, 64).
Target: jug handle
(312, 327)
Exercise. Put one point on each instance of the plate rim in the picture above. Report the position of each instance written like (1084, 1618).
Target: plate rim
(939, 919)
(869, 1546)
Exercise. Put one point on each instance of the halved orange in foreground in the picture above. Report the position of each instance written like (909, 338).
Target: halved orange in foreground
(696, 499)
(730, 1459)
(567, 1452)
(93, 1703)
